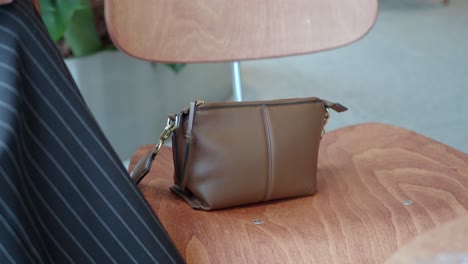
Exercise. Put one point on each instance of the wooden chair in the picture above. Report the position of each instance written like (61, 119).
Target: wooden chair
(379, 186)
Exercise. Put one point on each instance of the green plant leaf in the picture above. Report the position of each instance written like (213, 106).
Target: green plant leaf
(52, 19)
(67, 8)
(176, 67)
(57, 14)
(81, 34)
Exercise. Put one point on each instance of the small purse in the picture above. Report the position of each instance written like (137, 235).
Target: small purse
(236, 153)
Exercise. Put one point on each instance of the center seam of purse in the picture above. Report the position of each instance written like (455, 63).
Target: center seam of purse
(269, 150)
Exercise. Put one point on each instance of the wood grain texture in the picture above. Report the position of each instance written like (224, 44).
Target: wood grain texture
(447, 243)
(365, 172)
(214, 30)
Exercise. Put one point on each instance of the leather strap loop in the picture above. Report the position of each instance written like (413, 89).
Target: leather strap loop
(335, 106)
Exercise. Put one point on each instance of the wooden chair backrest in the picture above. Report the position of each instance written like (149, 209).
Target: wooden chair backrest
(217, 30)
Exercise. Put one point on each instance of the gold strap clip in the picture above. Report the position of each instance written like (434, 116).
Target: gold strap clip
(144, 165)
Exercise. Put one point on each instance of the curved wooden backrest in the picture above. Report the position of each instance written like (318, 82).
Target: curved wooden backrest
(220, 30)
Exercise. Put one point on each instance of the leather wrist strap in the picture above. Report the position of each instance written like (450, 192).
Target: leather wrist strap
(144, 165)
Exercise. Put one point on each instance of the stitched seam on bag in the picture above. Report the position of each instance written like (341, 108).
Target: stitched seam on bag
(269, 158)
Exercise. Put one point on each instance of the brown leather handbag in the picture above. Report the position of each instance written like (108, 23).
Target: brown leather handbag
(236, 153)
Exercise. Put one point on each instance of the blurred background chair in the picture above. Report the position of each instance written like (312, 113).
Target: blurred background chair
(379, 185)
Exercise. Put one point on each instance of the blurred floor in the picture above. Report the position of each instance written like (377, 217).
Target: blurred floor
(411, 70)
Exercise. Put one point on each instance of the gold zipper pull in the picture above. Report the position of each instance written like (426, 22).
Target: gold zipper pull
(335, 106)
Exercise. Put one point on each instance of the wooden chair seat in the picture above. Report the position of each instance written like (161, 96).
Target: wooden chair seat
(365, 175)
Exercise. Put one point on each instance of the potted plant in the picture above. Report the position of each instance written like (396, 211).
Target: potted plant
(129, 98)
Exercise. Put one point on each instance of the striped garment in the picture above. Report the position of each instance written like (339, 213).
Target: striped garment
(64, 195)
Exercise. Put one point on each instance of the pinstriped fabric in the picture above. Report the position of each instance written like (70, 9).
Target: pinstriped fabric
(64, 195)
(43, 36)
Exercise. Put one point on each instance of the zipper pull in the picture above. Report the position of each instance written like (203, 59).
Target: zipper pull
(335, 106)
(188, 133)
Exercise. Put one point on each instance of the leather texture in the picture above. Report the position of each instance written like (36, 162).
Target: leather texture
(237, 153)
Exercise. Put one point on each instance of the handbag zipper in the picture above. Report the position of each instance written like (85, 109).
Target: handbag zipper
(206, 106)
